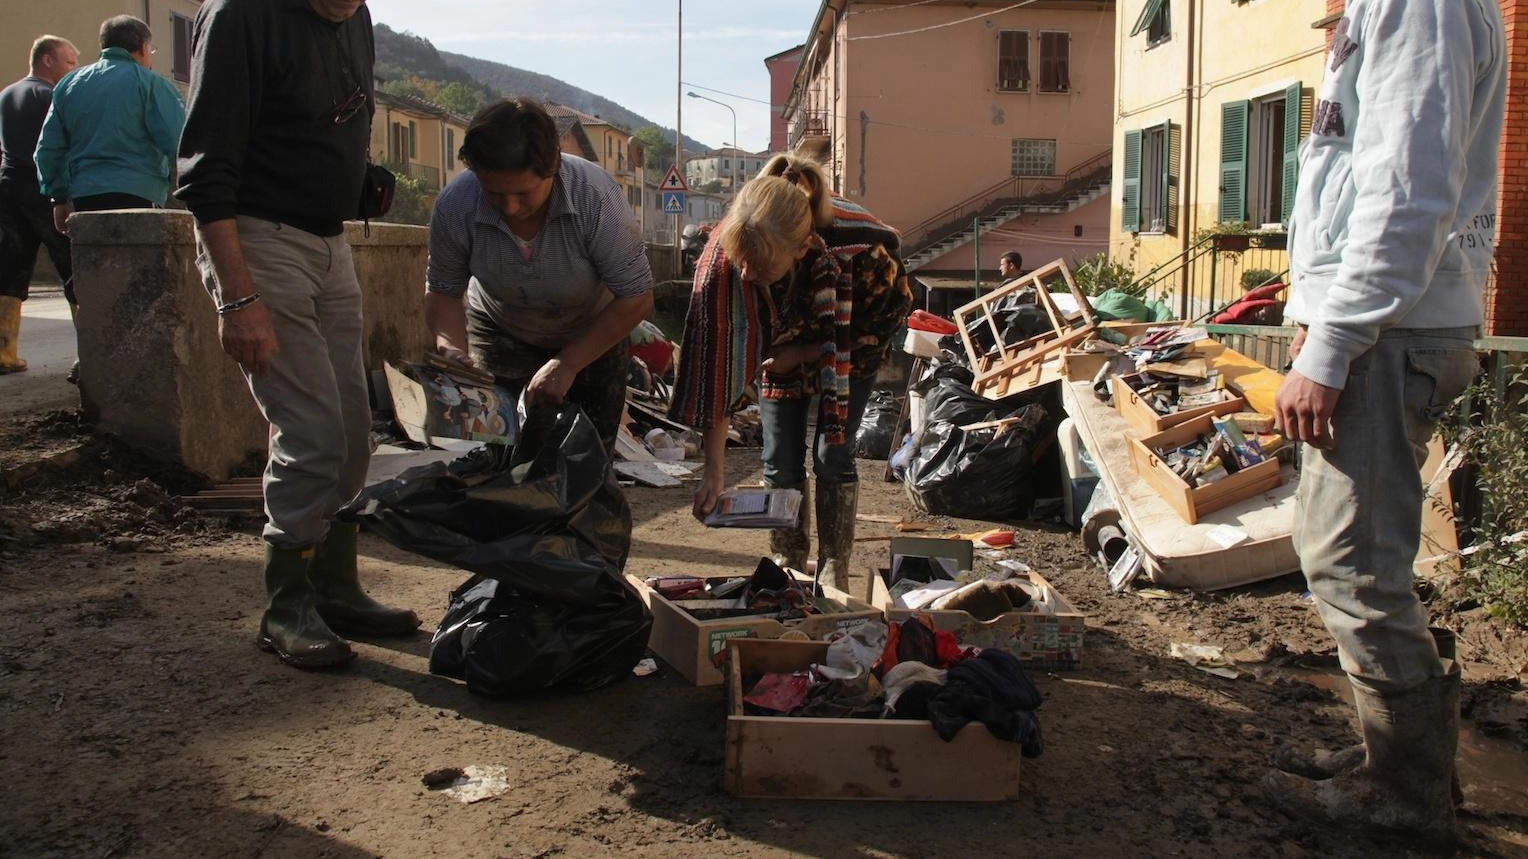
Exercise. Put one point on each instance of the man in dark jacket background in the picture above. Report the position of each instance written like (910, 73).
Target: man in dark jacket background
(272, 162)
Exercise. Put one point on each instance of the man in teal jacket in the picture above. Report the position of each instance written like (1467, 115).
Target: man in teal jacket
(111, 134)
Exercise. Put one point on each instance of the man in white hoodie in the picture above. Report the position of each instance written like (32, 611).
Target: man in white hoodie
(1391, 243)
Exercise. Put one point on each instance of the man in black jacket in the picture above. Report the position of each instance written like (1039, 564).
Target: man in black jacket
(26, 216)
(271, 165)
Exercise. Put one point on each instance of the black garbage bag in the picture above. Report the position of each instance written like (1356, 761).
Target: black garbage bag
(878, 428)
(546, 530)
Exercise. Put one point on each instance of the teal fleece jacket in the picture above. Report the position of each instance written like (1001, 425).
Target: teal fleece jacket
(1394, 219)
(112, 129)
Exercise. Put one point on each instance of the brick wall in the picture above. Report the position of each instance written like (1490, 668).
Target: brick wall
(1507, 302)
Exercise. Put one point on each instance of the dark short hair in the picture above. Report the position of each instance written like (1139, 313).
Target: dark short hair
(125, 32)
(514, 134)
(1014, 258)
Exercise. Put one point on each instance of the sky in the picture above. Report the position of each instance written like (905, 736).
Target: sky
(625, 50)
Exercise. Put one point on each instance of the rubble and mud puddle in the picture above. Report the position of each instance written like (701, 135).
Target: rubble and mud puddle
(141, 720)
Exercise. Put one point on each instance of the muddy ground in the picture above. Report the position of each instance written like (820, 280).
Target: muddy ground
(139, 720)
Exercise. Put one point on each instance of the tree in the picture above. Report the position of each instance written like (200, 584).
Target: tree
(407, 88)
(411, 200)
(459, 97)
(658, 151)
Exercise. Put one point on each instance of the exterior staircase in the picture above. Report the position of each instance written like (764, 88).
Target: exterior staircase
(1009, 199)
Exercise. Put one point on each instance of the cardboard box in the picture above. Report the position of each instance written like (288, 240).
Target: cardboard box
(1045, 635)
(1145, 420)
(691, 646)
(1193, 502)
(903, 759)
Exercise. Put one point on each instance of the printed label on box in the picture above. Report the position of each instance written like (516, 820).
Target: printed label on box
(716, 641)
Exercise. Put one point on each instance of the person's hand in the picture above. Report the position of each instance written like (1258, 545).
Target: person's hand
(784, 359)
(249, 338)
(550, 384)
(1303, 410)
(452, 353)
(61, 213)
(712, 484)
(1296, 345)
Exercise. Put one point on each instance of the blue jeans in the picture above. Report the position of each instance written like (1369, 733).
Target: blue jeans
(1358, 509)
(784, 424)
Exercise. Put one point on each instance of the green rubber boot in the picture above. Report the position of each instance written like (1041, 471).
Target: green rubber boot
(837, 504)
(788, 547)
(292, 628)
(341, 602)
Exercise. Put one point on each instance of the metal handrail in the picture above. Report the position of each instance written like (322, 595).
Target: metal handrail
(925, 231)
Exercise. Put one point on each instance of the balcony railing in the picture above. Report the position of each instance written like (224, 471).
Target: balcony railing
(808, 123)
(428, 174)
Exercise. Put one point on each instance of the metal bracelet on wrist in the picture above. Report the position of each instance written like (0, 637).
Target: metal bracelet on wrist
(238, 304)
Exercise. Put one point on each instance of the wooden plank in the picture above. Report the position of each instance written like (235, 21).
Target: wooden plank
(647, 474)
(630, 449)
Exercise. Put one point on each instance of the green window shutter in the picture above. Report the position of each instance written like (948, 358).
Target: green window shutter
(1171, 147)
(413, 140)
(1233, 161)
(1130, 219)
(1291, 148)
(1148, 14)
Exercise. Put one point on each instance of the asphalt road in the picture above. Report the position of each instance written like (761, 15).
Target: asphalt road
(47, 344)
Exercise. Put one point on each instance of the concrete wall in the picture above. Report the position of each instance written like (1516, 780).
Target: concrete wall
(151, 369)
(1040, 238)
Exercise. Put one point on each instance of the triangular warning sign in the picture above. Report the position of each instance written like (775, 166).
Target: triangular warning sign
(673, 181)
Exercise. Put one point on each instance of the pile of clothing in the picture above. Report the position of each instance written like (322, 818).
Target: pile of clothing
(908, 671)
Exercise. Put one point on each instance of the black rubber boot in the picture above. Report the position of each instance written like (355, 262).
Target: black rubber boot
(291, 627)
(341, 602)
(837, 504)
(788, 547)
(1403, 785)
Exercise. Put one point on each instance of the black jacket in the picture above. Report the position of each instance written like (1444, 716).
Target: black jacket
(269, 80)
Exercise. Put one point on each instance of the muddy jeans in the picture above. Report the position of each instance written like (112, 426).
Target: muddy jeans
(315, 394)
(784, 424)
(1358, 514)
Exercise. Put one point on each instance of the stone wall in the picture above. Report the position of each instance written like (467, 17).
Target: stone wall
(151, 369)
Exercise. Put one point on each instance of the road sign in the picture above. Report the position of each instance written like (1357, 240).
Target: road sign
(673, 202)
(673, 182)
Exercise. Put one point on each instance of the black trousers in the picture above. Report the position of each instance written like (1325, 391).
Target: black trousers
(26, 224)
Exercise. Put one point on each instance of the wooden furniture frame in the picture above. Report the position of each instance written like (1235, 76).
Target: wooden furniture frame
(1014, 368)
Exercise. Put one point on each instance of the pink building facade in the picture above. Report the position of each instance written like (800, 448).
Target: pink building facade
(782, 71)
(939, 116)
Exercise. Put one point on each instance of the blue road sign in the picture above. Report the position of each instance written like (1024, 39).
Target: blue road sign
(673, 202)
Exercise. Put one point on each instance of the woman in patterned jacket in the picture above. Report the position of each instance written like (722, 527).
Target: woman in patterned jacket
(797, 294)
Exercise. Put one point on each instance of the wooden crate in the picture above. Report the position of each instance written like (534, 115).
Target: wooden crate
(1082, 366)
(1145, 420)
(693, 646)
(1193, 502)
(1047, 636)
(903, 759)
(1014, 368)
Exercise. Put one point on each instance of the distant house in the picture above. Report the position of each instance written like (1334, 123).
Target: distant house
(610, 146)
(950, 121)
(782, 71)
(658, 226)
(418, 136)
(722, 166)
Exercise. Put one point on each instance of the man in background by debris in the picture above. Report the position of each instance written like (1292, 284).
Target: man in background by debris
(272, 164)
(1392, 235)
(26, 219)
(1010, 265)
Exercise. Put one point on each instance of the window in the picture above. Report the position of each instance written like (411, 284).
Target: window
(1013, 61)
(1032, 157)
(1155, 22)
(1150, 200)
(450, 149)
(398, 145)
(180, 47)
(1271, 160)
(1055, 62)
(413, 139)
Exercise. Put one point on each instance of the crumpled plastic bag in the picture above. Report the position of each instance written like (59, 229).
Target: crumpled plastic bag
(878, 429)
(546, 531)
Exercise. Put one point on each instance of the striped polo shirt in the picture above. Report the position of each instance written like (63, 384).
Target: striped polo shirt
(523, 306)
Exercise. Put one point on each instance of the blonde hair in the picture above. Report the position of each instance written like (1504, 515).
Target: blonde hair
(806, 174)
(45, 46)
(770, 219)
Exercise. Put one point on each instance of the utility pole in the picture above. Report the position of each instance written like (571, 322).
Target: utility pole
(976, 247)
(679, 136)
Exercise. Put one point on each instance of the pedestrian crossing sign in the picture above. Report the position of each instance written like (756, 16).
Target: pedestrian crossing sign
(673, 202)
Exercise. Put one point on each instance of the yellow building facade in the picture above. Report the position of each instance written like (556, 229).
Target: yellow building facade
(79, 21)
(1213, 98)
(420, 137)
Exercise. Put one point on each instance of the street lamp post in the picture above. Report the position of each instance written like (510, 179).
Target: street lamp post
(693, 94)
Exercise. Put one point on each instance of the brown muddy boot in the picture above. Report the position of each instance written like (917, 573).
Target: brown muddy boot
(341, 602)
(291, 627)
(1403, 785)
(10, 334)
(788, 547)
(836, 505)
